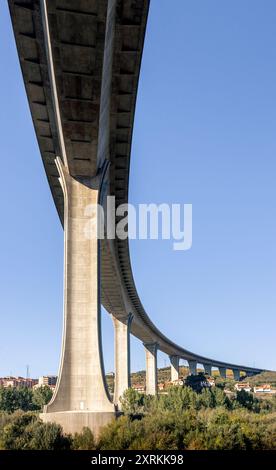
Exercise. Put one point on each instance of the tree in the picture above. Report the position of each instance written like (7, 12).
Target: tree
(27, 431)
(247, 400)
(132, 402)
(47, 436)
(12, 399)
(41, 396)
(84, 440)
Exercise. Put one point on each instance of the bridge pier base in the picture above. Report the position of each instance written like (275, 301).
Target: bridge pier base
(174, 368)
(151, 368)
(236, 374)
(75, 421)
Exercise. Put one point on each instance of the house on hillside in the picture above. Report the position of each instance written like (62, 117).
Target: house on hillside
(211, 381)
(243, 386)
(265, 388)
(139, 388)
(161, 386)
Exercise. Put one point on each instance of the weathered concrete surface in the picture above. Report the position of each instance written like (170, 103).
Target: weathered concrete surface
(151, 368)
(81, 384)
(75, 421)
(236, 374)
(122, 356)
(174, 368)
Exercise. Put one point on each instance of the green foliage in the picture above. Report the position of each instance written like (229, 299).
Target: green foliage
(41, 396)
(84, 440)
(180, 419)
(26, 431)
(12, 399)
(247, 400)
(209, 429)
(25, 399)
(186, 419)
(122, 433)
(132, 402)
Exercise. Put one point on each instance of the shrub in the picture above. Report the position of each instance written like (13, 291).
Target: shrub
(27, 431)
(84, 440)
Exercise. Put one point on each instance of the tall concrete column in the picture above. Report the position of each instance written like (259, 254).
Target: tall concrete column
(122, 356)
(151, 368)
(81, 397)
(192, 367)
(174, 368)
(208, 369)
(222, 372)
(236, 374)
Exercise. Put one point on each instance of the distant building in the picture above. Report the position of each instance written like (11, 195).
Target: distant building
(11, 381)
(243, 386)
(178, 382)
(161, 386)
(139, 388)
(265, 388)
(211, 381)
(49, 380)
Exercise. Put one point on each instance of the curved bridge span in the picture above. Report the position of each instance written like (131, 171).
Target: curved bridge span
(80, 62)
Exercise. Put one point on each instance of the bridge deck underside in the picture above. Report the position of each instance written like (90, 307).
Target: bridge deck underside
(77, 32)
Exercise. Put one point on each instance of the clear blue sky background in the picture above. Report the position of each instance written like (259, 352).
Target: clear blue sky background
(205, 134)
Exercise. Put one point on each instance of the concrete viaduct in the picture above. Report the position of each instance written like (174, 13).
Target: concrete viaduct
(80, 62)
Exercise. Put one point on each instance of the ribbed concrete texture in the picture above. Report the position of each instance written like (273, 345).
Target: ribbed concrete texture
(122, 356)
(174, 368)
(151, 368)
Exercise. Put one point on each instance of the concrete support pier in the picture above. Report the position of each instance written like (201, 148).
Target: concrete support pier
(174, 368)
(192, 367)
(151, 368)
(222, 372)
(122, 356)
(236, 374)
(81, 397)
(208, 369)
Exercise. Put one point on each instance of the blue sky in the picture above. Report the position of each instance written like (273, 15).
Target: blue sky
(205, 133)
